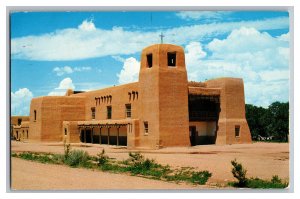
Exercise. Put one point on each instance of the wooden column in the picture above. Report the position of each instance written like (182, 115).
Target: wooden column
(92, 135)
(79, 134)
(118, 128)
(108, 128)
(100, 135)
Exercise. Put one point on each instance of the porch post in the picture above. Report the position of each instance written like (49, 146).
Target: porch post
(84, 135)
(108, 128)
(100, 135)
(118, 128)
(92, 132)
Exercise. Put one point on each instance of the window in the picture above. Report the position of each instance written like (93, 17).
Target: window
(146, 127)
(149, 60)
(27, 133)
(171, 59)
(237, 131)
(93, 112)
(128, 110)
(66, 131)
(19, 121)
(108, 112)
(34, 115)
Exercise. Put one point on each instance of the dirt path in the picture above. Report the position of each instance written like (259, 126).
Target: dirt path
(28, 175)
(261, 160)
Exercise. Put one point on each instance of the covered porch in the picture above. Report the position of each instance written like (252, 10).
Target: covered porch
(110, 132)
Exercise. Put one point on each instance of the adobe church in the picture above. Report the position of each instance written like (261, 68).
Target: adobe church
(162, 109)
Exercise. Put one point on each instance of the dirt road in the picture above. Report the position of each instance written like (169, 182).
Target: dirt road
(261, 160)
(29, 175)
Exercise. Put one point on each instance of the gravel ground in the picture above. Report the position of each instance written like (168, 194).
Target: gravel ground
(261, 160)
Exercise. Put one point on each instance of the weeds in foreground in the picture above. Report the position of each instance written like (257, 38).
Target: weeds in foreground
(78, 158)
(136, 164)
(240, 174)
(41, 157)
(102, 159)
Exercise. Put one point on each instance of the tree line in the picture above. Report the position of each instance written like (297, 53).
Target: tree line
(270, 123)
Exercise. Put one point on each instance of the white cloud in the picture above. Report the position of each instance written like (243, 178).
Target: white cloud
(260, 59)
(84, 68)
(63, 70)
(284, 37)
(87, 26)
(68, 70)
(118, 58)
(275, 75)
(20, 101)
(130, 71)
(200, 15)
(87, 41)
(64, 85)
(245, 40)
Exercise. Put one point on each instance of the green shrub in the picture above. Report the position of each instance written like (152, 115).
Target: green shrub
(275, 183)
(102, 159)
(58, 158)
(239, 173)
(187, 174)
(200, 177)
(77, 158)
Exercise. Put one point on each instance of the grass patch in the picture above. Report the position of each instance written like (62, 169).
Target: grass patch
(256, 183)
(78, 158)
(40, 157)
(189, 175)
(136, 165)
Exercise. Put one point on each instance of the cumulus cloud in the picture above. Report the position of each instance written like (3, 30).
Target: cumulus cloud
(68, 70)
(20, 101)
(130, 71)
(202, 15)
(88, 41)
(87, 26)
(257, 57)
(63, 86)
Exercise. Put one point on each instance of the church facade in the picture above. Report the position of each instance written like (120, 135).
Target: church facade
(162, 109)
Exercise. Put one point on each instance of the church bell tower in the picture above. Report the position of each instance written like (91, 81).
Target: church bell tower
(163, 90)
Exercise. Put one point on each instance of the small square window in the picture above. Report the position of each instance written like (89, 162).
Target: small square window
(146, 127)
(172, 59)
(237, 131)
(19, 121)
(149, 60)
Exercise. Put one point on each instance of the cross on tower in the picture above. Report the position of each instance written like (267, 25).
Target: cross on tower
(161, 38)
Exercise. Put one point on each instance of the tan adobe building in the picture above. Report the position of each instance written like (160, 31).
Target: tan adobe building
(19, 126)
(161, 109)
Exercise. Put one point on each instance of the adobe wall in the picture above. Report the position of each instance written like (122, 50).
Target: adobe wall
(70, 132)
(15, 127)
(54, 110)
(35, 125)
(119, 97)
(14, 119)
(164, 98)
(204, 128)
(173, 99)
(232, 102)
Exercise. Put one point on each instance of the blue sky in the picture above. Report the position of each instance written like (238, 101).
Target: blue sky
(53, 51)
